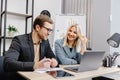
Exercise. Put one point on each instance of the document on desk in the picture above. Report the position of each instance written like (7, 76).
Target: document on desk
(43, 70)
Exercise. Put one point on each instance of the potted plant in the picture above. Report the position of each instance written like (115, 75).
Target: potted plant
(12, 30)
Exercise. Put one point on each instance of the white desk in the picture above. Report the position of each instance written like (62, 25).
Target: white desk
(81, 75)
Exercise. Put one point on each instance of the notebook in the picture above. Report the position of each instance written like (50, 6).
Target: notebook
(91, 60)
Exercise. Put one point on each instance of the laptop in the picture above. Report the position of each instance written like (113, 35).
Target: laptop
(91, 60)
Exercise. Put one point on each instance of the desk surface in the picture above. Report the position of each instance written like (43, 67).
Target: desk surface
(80, 75)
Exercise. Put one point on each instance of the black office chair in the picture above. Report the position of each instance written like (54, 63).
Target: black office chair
(2, 73)
(1, 64)
(6, 75)
(45, 12)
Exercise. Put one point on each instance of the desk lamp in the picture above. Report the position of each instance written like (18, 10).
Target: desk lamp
(114, 41)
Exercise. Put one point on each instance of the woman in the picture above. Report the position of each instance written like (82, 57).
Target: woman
(66, 49)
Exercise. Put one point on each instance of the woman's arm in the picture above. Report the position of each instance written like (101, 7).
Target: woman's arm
(83, 44)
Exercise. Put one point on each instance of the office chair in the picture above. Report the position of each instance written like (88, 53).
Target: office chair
(45, 12)
(1, 65)
(1, 68)
(6, 75)
(3, 75)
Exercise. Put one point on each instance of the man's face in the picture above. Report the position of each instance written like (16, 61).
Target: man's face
(45, 31)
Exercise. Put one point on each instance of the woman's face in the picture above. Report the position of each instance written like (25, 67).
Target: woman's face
(72, 34)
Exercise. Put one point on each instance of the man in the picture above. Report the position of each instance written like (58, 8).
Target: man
(31, 51)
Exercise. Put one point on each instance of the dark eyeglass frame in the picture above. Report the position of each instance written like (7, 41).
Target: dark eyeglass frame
(48, 29)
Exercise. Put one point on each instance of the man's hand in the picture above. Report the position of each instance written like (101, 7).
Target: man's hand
(44, 63)
(53, 62)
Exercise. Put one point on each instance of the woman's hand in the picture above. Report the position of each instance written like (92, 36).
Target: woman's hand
(83, 40)
(83, 43)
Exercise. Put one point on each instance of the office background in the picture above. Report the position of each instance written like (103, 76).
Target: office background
(104, 19)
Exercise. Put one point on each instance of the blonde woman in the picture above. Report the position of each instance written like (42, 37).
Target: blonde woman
(66, 49)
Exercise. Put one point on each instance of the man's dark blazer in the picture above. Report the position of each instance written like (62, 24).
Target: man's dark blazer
(20, 56)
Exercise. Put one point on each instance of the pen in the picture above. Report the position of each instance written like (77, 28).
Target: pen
(47, 61)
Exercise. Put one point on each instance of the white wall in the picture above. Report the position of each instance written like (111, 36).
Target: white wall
(0, 7)
(39, 5)
(18, 22)
(100, 24)
(20, 6)
(115, 23)
(54, 6)
(100, 15)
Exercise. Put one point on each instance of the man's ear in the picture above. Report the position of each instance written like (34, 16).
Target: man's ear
(37, 27)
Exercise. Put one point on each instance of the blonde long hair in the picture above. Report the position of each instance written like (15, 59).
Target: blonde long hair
(77, 40)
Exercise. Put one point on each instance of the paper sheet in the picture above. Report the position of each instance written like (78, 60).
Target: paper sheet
(43, 70)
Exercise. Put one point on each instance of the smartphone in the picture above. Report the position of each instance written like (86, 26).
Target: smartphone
(59, 73)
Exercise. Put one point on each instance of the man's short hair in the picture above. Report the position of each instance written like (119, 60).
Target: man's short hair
(41, 19)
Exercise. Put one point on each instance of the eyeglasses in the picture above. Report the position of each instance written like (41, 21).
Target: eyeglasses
(48, 29)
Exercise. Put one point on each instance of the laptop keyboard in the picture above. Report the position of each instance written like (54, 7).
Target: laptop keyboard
(75, 68)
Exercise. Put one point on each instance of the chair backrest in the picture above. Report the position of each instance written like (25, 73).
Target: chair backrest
(3, 75)
(1, 64)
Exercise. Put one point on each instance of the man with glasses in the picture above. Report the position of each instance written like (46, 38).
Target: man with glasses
(31, 51)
